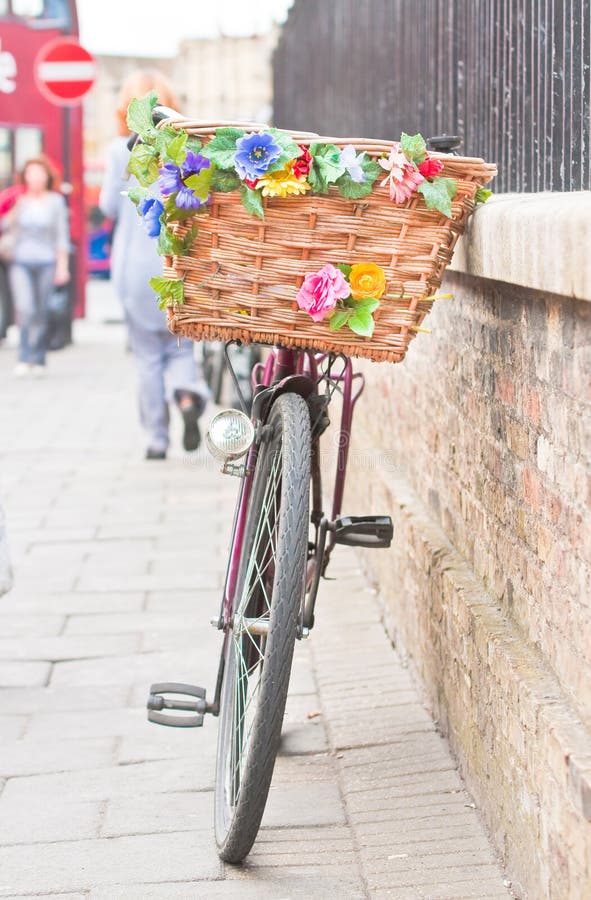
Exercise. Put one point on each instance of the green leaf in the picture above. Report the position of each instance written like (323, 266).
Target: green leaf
(253, 201)
(224, 181)
(168, 290)
(353, 190)
(328, 162)
(168, 243)
(137, 194)
(143, 163)
(437, 195)
(345, 269)
(414, 147)
(339, 318)
(368, 304)
(285, 141)
(194, 144)
(482, 195)
(200, 183)
(222, 148)
(316, 180)
(139, 116)
(174, 146)
(362, 323)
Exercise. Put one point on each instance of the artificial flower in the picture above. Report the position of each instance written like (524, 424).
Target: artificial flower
(402, 176)
(254, 154)
(251, 183)
(321, 290)
(194, 163)
(302, 164)
(430, 167)
(186, 199)
(283, 183)
(150, 210)
(170, 180)
(367, 280)
(352, 163)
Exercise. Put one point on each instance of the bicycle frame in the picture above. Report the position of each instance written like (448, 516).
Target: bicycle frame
(281, 366)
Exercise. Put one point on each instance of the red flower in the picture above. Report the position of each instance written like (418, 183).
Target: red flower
(251, 183)
(430, 167)
(303, 164)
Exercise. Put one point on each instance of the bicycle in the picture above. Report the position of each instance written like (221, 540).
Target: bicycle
(281, 547)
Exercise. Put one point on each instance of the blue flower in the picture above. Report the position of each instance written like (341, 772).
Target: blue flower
(151, 209)
(194, 163)
(254, 154)
(170, 180)
(352, 163)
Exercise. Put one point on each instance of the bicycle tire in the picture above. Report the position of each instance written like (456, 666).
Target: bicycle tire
(258, 651)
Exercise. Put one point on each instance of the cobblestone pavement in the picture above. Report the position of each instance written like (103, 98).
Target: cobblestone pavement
(118, 566)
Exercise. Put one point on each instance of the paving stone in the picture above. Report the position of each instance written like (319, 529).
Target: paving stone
(67, 647)
(157, 743)
(265, 886)
(300, 805)
(69, 603)
(80, 865)
(12, 727)
(174, 811)
(27, 674)
(172, 602)
(142, 669)
(174, 581)
(19, 625)
(38, 820)
(104, 783)
(60, 699)
(33, 757)
(122, 623)
(69, 726)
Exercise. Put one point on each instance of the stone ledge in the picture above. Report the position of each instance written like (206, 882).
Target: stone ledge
(507, 718)
(539, 241)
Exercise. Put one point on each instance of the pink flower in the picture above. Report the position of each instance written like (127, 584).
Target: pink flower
(321, 290)
(430, 167)
(402, 176)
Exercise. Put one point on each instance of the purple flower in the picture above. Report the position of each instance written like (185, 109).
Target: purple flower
(170, 179)
(254, 154)
(151, 209)
(194, 163)
(186, 199)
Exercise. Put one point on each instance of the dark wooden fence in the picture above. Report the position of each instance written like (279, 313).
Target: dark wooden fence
(512, 77)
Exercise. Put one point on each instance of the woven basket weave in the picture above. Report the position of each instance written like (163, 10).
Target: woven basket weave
(242, 274)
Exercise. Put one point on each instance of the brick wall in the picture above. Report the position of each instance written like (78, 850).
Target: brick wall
(487, 427)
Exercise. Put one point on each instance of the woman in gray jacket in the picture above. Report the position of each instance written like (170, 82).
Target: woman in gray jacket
(39, 222)
(159, 357)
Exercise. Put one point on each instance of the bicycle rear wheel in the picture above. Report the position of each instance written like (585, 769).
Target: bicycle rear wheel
(259, 648)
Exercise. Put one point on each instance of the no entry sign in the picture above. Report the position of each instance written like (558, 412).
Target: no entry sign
(64, 71)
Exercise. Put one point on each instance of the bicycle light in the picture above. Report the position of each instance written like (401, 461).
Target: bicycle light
(229, 435)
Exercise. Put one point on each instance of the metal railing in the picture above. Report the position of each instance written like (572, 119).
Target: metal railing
(512, 77)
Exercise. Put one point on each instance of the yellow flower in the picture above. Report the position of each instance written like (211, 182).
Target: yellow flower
(283, 183)
(367, 280)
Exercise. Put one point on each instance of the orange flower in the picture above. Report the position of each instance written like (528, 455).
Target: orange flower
(367, 280)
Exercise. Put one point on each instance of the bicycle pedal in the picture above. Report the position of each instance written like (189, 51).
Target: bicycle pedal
(363, 531)
(157, 701)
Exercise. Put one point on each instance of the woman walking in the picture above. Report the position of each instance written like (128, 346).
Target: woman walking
(159, 356)
(39, 224)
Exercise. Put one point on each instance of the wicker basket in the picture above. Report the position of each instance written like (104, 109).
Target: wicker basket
(242, 274)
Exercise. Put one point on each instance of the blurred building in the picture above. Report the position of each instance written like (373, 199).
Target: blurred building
(214, 79)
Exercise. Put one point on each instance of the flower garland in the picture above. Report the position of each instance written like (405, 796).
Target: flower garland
(177, 175)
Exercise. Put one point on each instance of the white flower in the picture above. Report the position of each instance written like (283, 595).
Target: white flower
(352, 163)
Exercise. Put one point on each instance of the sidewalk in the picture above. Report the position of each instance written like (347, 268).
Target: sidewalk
(118, 570)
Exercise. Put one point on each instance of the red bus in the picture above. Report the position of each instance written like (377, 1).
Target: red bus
(30, 124)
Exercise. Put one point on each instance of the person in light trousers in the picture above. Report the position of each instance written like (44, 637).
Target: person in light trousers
(167, 369)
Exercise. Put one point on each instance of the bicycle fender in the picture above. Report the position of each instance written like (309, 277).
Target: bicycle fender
(293, 384)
